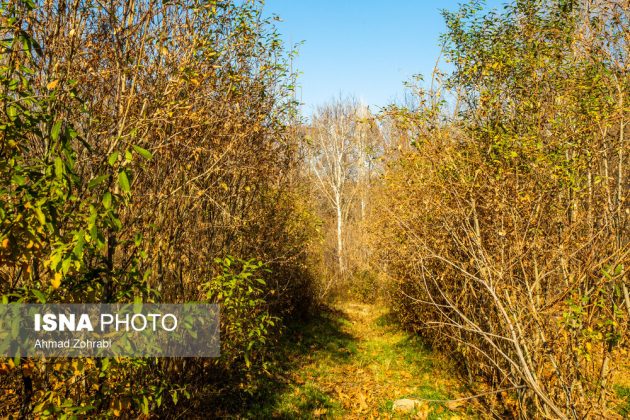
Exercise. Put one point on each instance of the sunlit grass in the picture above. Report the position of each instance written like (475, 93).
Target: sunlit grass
(355, 361)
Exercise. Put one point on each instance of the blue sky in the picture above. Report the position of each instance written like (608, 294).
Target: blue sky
(365, 48)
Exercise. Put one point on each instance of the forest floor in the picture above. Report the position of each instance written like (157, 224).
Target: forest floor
(353, 361)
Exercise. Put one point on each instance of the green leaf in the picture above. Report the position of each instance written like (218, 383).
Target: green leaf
(107, 200)
(39, 295)
(248, 363)
(112, 158)
(12, 113)
(116, 222)
(18, 179)
(56, 129)
(143, 152)
(40, 215)
(96, 181)
(58, 167)
(123, 181)
(78, 248)
(145, 405)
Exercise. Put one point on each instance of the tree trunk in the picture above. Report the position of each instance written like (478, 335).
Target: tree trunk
(339, 239)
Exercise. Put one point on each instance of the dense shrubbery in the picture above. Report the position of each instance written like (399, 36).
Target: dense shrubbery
(150, 151)
(505, 229)
(139, 141)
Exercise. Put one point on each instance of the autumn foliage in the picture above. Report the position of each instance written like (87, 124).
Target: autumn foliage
(146, 154)
(153, 151)
(504, 229)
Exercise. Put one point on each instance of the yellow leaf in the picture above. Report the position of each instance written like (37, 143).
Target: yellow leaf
(56, 281)
(5, 243)
(52, 85)
(318, 412)
(117, 407)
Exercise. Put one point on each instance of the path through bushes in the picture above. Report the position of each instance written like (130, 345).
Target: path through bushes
(353, 361)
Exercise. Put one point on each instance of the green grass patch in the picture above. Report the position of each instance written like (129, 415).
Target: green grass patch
(301, 402)
(623, 393)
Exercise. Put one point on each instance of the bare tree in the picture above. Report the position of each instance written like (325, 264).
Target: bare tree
(339, 148)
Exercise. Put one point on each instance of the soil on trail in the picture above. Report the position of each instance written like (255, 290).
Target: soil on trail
(353, 361)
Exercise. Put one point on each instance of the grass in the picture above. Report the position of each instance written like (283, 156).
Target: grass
(623, 393)
(621, 386)
(353, 361)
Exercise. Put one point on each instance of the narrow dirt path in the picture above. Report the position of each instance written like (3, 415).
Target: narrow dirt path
(354, 362)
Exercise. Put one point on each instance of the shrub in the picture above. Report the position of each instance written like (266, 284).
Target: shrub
(137, 141)
(504, 233)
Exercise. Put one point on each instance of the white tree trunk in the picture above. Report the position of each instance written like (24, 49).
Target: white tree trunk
(340, 238)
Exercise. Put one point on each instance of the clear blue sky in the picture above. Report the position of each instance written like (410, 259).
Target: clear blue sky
(366, 48)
